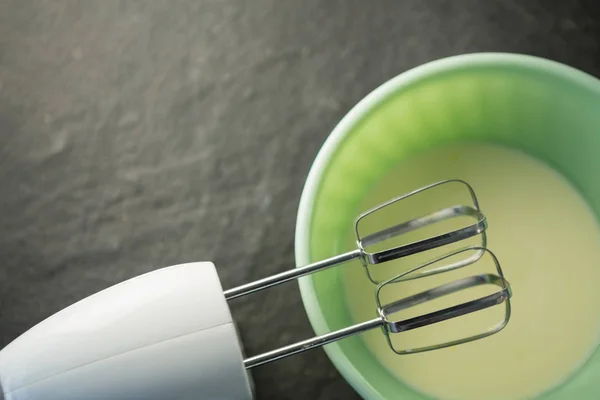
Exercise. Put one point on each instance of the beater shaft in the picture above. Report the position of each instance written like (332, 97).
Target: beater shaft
(290, 275)
(312, 343)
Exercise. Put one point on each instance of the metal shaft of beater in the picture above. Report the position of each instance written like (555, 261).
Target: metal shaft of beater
(312, 343)
(292, 274)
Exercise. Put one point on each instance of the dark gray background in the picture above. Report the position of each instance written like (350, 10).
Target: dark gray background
(136, 135)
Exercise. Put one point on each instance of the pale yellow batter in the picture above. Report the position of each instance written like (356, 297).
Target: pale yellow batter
(548, 242)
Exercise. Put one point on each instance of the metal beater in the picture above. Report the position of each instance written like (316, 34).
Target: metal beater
(384, 312)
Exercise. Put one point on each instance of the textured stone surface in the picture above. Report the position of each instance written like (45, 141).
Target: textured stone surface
(135, 135)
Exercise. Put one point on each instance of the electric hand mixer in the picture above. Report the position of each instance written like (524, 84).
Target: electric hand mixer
(169, 334)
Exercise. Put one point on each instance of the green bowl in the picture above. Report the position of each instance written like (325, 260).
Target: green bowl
(546, 109)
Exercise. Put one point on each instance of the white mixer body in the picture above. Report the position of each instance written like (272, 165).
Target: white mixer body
(167, 334)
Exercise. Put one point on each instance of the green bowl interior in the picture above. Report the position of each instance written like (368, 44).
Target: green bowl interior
(544, 108)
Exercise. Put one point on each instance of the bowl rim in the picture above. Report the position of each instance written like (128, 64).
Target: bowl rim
(341, 130)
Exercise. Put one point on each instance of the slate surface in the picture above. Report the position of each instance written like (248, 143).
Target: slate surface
(135, 135)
